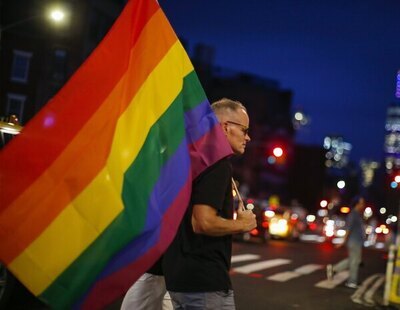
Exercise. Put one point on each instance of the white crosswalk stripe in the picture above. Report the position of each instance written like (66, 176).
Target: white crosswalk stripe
(369, 295)
(364, 294)
(262, 265)
(301, 271)
(244, 257)
(338, 279)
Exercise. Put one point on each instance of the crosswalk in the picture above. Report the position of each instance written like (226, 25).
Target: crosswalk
(249, 264)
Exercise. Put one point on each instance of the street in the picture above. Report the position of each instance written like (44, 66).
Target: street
(290, 275)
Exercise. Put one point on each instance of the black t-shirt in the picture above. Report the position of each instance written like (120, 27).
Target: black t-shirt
(156, 269)
(196, 262)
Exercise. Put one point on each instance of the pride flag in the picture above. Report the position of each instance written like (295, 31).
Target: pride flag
(93, 189)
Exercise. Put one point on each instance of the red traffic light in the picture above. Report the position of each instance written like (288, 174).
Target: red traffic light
(277, 151)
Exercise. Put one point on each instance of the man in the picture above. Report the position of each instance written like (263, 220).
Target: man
(148, 292)
(196, 265)
(354, 240)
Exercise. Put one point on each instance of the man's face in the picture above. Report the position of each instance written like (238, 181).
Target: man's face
(236, 125)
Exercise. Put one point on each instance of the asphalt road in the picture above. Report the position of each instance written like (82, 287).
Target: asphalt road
(291, 275)
(287, 275)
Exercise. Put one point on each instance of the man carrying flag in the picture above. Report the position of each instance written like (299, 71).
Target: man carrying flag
(196, 265)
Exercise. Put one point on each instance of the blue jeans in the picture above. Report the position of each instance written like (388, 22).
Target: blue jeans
(352, 262)
(223, 300)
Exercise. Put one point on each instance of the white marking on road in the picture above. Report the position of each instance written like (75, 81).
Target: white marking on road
(357, 297)
(338, 279)
(288, 275)
(262, 265)
(369, 295)
(244, 257)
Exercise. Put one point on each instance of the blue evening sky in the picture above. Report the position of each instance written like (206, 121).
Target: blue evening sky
(339, 57)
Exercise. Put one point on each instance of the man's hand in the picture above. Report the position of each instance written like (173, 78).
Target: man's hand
(246, 218)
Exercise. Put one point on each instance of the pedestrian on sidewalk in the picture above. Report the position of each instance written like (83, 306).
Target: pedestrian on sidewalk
(354, 240)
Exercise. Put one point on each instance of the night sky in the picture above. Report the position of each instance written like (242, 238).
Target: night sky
(339, 57)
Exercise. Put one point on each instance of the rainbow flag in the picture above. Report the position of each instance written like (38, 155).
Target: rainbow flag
(93, 189)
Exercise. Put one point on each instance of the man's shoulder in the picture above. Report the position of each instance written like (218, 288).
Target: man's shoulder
(223, 164)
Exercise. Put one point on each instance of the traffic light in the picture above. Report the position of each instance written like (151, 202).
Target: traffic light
(277, 151)
(276, 155)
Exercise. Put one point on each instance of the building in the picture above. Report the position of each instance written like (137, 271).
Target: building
(37, 57)
(392, 138)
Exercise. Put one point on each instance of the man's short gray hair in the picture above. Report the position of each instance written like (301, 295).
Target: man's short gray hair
(224, 105)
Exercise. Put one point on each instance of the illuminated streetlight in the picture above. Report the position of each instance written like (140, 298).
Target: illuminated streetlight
(57, 15)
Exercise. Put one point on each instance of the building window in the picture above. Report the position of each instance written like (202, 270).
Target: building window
(20, 66)
(15, 105)
(59, 65)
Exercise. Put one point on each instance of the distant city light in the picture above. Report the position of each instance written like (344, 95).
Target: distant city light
(298, 116)
(394, 184)
(269, 213)
(341, 184)
(323, 203)
(382, 210)
(368, 212)
(271, 160)
(322, 212)
(397, 178)
(345, 210)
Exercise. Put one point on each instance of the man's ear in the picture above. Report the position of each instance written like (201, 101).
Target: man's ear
(225, 128)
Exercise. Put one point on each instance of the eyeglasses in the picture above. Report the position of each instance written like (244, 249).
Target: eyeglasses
(245, 129)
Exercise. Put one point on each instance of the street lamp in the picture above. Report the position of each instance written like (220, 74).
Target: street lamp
(57, 15)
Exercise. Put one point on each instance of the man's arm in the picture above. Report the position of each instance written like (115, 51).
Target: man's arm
(206, 221)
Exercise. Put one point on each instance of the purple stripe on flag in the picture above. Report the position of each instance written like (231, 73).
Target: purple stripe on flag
(199, 120)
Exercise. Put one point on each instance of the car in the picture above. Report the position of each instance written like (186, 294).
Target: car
(285, 222)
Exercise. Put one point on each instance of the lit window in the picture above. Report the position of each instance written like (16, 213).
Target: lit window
(20, 66)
